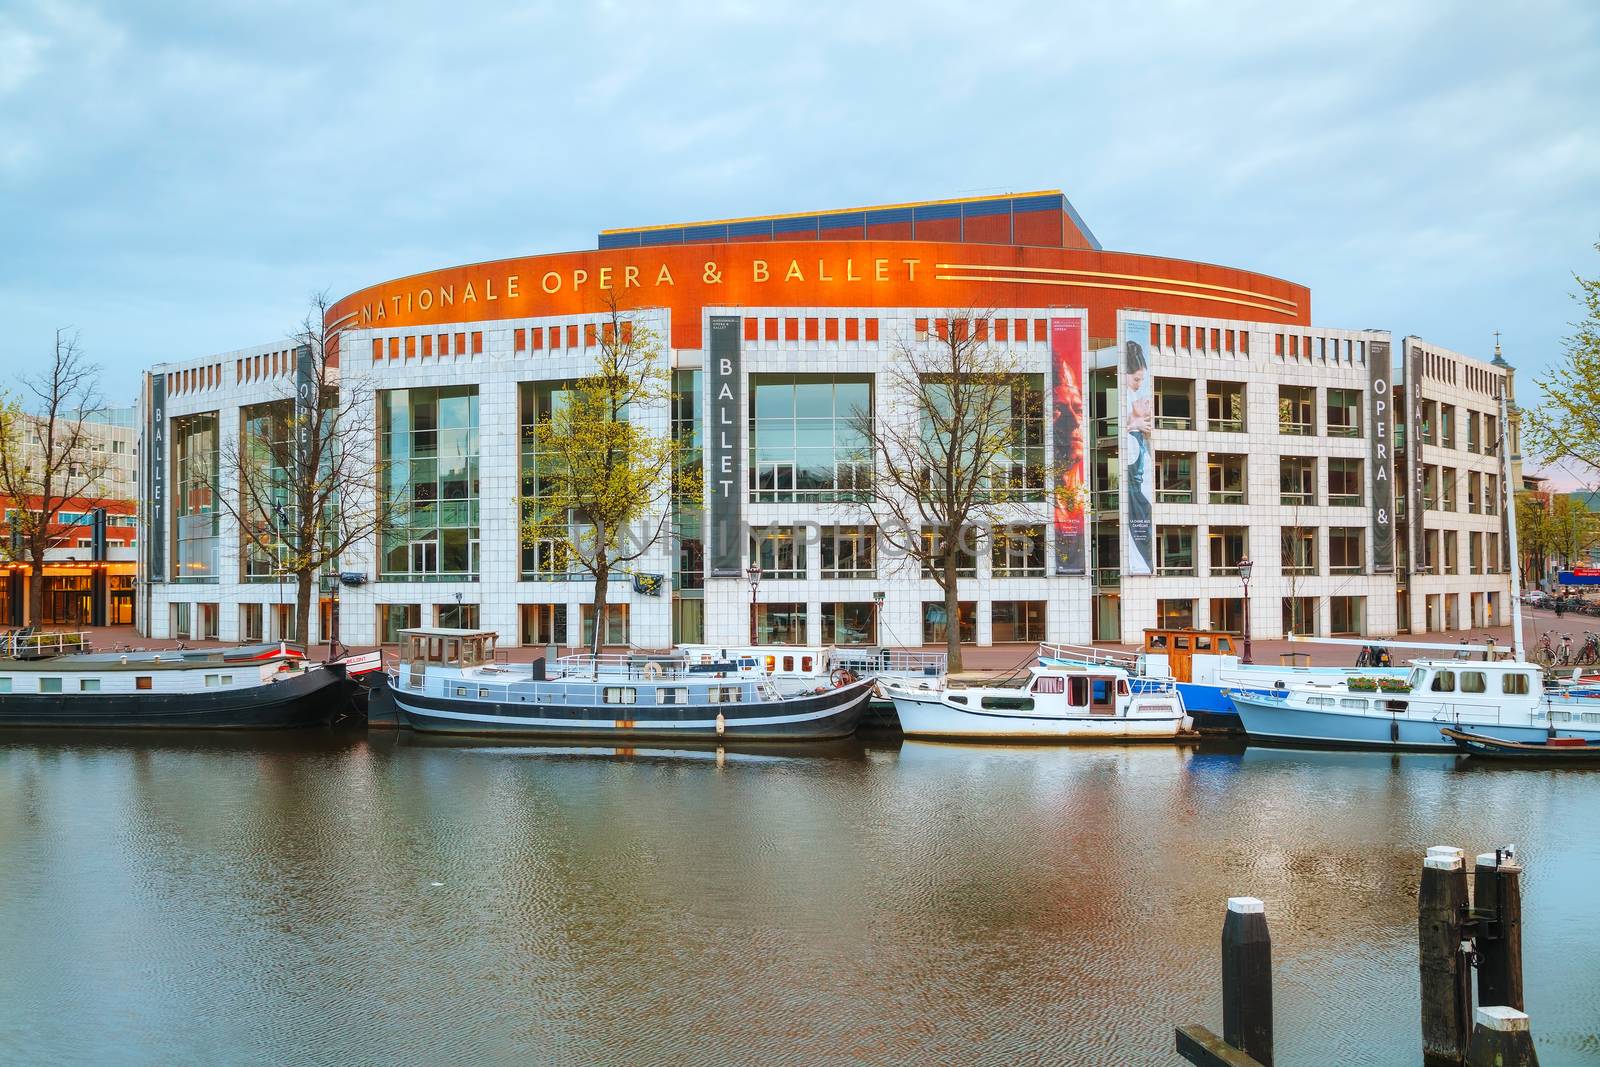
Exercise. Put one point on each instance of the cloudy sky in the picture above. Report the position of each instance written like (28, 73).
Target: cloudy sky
(176, 178)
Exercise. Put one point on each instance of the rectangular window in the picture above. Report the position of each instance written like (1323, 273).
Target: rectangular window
(88, 685)
(807, 438)
(966, 552)
(1297, 410)
(780, 624)
(456, 616)
(1174, 403)
(1297, 481)
(1452, 562)
(1175, 551)
(1346, 550)
(213, 680)
(5, 685)
(1473, 437)
(616, 625)
(1447, 488)
(1447, 426)
(1474, 552)
(1347, 616)
(1229, 546)
(672, 695)
(543, 624)
(849, 623)
(1225, 475)
(1018, 552)
(849, 551)
(1175, 477)
(195, 476)
(49, 685)
(1429, 421)
(620, 694)
(1299, 549)
(428, 441)
(1344, 413)
(1474, 491)
(1344, 482)
(1017, 620)
(936, 623)
(144, 681)
(1225, 407)
(1227, 614)
(1175, 614)
(780, 551)
(1300, 615)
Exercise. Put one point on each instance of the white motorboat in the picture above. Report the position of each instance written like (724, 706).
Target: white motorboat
(1059, 702)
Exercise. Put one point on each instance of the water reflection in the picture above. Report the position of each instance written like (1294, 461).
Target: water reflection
(329, 898)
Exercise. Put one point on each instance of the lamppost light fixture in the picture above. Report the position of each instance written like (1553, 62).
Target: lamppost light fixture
(1246, 565)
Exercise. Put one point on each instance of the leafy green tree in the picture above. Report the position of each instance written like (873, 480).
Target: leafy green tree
(1564, 430)
(603, 482)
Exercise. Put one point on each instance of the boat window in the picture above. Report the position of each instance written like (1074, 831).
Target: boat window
(1355, 703)
(1157, 642)
(805, 664)
(1320, 702)
(1122, 687)
(1011, 703)
(1049, 683)
(672, 695)
(227, 679)
(1444, 682)
(461, 690)
(732, 694)
(1414, 679)
(1181, 643)
(1516, 684)
(1473, 682)
(1202, 644)
(958, 700)
(1224, 644)
(144, 681)
(788, 663)
(772, 664)
(1101, 690)
(88, 685)
(49, 685)
(621, 694)
(483, 693)
(452, 649)
(1078, 692)
(212, 679)
(5, 685)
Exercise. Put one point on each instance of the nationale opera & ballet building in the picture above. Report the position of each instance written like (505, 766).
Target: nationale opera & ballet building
(1204, 415)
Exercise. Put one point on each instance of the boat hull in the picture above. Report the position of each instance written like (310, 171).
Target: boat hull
(1266, 719)
(932, 718)
(823, 716)
(309, 699)
(1477, 744)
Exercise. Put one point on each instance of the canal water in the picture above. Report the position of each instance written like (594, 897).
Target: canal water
(338, 899)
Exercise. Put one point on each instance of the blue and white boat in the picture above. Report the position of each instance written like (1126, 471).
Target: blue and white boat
(1502, 699)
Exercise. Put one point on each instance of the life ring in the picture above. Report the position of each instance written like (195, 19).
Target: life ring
(841, 677)
(652, 669)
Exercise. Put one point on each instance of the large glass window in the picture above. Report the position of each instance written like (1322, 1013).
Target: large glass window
(1018, 552)
(1297, 481)
(849, 551)
(264, 439)
(1300, 615)
(1344, 413)
(1344, 482)
(1347, 616)
(1017, 620)
(1174, 403)
(1175, 477)
(1226, 478)
(1447, 488)
(936, 622)
(429, 447)
(392, 618)
(1175, 550)
(1225, 410)
(849, 624)
(688, 510)
(616, 625)
(780, 551)
(1175, 613)
(966, 551)
(1299, 549)
(1019, 470)
(780, 624)
(805, 439)
(1297, 410)
(542, 624)
(1229, 545)
(194, 480)
(1346, 550)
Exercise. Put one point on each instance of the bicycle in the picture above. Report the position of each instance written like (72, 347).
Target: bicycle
(1543, 654)
(1590, 652)
(1564, 651)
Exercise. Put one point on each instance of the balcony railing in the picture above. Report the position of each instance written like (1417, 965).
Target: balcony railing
(1175, 496)
(1295, 500)
(1174, 422)
(1225, 425)
(1227, 496)
(1296, 428)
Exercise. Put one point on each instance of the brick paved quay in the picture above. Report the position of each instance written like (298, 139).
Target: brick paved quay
(1000, 659)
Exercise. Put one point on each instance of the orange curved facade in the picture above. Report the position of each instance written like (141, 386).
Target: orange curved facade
(811, 273)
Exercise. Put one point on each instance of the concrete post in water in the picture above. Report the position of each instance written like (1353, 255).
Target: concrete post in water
(1247, 979)
(1501, 1039)
(1446, 977)
(1497, 892)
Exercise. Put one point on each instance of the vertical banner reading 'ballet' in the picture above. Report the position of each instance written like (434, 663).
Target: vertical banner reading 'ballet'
(1069, 457)
(725, 481)
(1138, 462)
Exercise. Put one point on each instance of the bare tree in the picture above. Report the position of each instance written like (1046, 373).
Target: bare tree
(947, 457)
(48, 458)
(302, 479)
(603, 482)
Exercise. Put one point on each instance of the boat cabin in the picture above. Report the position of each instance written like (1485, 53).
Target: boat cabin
(443, 647)
(1181, 646)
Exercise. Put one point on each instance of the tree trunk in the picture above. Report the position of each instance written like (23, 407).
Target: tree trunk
(302, 608)
(35, 591)
(602, 576)
(952, 612)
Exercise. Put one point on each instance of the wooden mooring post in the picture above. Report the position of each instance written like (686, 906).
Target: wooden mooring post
(1460, 926)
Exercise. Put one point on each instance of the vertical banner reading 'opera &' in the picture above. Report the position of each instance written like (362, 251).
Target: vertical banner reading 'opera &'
(1381, 455)
(1138, 463)
(1069, 457)
(725, 471)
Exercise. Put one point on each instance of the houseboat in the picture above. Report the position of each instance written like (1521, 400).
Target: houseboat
(1059, 701)
(53, 684)
(448, 681)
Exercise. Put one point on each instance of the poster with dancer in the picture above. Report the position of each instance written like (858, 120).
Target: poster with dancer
(1138, 461)
(1069, 457)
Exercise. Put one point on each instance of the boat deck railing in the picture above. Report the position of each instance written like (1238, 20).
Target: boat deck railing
(627, 695)
(622, 665)
(22, 644)
(867, 663)
(1108, 657)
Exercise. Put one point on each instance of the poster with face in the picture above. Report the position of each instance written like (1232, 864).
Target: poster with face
(1138, 461)
(1067, 433)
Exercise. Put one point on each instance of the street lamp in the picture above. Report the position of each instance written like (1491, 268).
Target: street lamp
(1245, 567)
(283, 572)
(752, 574)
